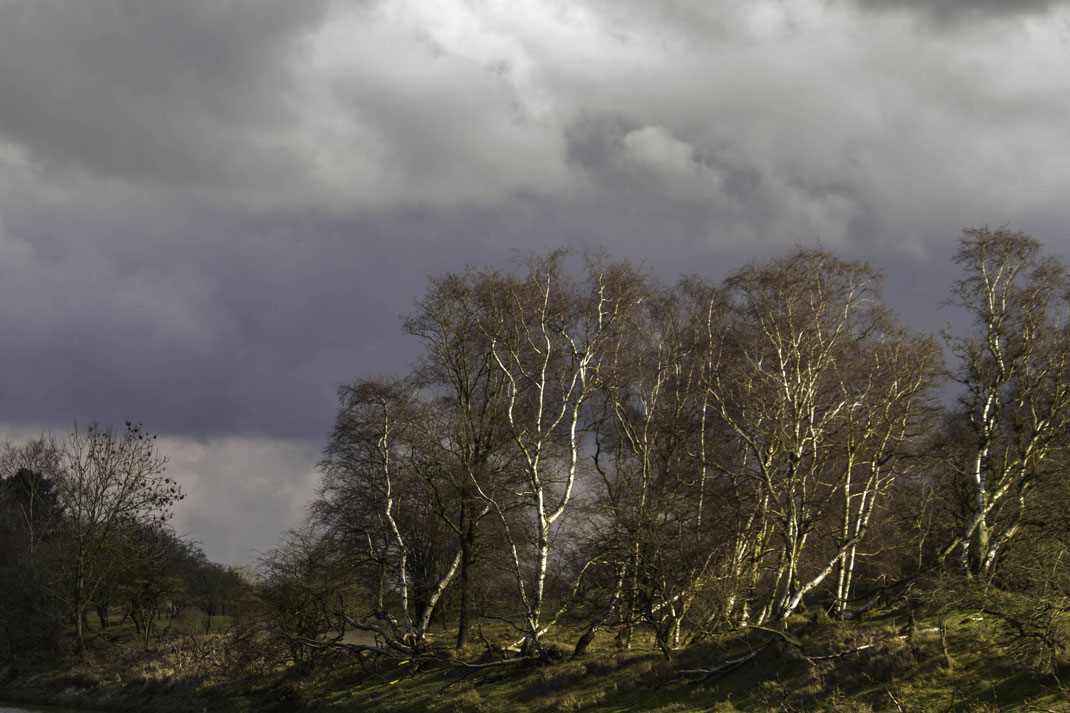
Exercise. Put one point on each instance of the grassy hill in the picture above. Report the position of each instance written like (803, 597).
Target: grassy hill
(960, 660)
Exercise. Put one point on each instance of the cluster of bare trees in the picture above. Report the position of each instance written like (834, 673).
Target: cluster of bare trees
(84, 536)
(579, 439)
(585, 448)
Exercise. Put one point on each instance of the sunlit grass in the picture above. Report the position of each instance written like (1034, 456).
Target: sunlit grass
(954, 662)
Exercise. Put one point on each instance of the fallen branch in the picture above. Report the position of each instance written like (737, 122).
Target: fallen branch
(390, 641)
(727, 666)
(321, 645)
(460, 678)
(848, 652)
(492, 664)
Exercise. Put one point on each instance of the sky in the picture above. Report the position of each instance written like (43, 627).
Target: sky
(214, 212)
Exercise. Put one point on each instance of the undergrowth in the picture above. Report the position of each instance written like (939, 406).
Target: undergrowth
(925, 656)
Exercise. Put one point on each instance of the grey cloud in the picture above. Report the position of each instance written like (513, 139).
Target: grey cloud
(593, 142)
(250, 336)
(249, 329)
(694, 22)
(241, 493)
(208, 219)
(727, 198)
(150, 89)
(953, 12)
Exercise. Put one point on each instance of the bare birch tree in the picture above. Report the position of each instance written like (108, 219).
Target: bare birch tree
(375, 500)
(788, 393)
(1015, 370)
(896, 380)
(648, 456)
(466, 448)
(548, 336)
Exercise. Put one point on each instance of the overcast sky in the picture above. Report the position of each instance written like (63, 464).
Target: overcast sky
(213, 212)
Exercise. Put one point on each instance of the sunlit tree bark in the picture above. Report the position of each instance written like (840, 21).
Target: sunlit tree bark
(648, 454)
(895, 387)
(1015, 370)
(548, 337)
(791, 383)
(370, 477)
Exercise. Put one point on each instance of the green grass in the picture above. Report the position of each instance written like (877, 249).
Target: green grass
(908, 674)
(902, 672)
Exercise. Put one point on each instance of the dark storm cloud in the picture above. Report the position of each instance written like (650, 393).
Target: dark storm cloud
(150, 89)
(948, 12)
(176, 252)
(212, 213)
(594, 142)
(247, 332)
(250, 328)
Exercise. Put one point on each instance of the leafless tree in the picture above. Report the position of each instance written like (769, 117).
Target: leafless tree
(465, 447)
(111, 479)
(895, 385)
(373, 497)
(1015, 370)
(30, 472)
(648, 456)
(797, 377)
(548, 335)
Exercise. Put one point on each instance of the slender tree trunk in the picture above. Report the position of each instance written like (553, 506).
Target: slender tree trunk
(102, 614)
(79, 632)
(465, 585)
(79, 618)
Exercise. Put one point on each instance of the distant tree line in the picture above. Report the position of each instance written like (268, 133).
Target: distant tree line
(581, 443)
(84, 544)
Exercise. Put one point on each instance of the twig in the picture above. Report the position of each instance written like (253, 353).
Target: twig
(886, 690)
